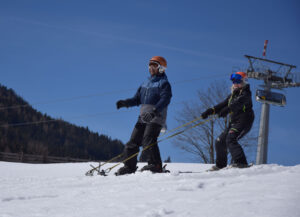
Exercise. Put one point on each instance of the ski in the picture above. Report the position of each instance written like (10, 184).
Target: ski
(232, 166)
(191, 171)
(239, 166)
(164, 170)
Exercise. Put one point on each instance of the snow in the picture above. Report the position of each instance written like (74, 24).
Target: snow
(62, 190)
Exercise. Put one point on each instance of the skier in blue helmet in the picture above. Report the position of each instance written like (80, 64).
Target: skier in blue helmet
(239, 107)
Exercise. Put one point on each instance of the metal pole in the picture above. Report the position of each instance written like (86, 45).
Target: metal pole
(262, 147)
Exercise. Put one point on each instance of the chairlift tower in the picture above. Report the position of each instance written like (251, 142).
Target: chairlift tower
(279, 78)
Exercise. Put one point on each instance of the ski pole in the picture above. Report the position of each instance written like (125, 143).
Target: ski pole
(90, 172)
(183, 125)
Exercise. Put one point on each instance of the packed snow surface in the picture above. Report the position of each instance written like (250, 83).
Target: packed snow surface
(33, 190)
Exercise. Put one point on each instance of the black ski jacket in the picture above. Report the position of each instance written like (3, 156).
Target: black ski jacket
(238, 105)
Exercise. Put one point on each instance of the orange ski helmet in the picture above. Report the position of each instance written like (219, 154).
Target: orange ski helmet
(243, 74)
(162, 61)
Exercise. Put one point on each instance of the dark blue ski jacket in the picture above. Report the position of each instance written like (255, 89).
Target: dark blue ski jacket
(156, 91)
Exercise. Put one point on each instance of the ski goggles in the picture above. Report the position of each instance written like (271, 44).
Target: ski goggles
(236, 78)
(156, 65)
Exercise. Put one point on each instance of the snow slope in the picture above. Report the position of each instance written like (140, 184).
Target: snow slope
(62, 190)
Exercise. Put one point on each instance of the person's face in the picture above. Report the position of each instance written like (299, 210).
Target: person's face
(235, 86)
(153, 68)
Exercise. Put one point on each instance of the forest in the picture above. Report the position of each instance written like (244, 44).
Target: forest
(24, 129)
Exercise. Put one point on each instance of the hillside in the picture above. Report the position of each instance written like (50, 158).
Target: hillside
(52, 190)
(53, 138)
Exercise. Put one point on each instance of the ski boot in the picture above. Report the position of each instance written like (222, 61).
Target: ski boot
(213, 168)
(125, 170)
(155, 168)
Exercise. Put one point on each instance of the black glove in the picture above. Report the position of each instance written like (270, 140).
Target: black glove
(208, 112)
(121, 103)
(223, 112)
(148, 116)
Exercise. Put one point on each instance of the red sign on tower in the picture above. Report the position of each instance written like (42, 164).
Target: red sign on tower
(265, 48)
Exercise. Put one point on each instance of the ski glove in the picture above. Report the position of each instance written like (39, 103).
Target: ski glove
(121, 103)
(223, 112)
(148, 116)
(208, 112)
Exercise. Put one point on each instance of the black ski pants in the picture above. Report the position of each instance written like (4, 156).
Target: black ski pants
(144, 134)
(229, 140)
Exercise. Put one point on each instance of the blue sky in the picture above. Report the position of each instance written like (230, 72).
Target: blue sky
(53, 50)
